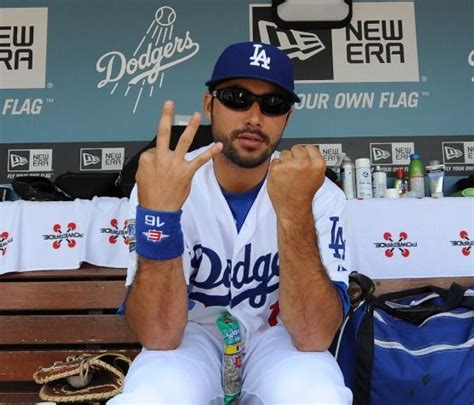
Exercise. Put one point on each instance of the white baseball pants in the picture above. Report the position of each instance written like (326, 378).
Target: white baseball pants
(274, 372)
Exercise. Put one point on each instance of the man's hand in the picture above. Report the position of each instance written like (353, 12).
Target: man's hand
(164, 176)
(294, 178)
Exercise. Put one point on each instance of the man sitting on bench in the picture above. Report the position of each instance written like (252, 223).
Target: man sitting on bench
(239, 228)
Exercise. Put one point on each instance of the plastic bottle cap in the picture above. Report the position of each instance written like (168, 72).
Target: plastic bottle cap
(362, 162)
(414, 156)
(391, 193)
(434, 163)
(400, 173)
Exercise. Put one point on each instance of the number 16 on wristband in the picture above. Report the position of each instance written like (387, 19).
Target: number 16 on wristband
(159, 235)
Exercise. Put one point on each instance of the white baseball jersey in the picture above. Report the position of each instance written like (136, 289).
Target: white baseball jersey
(239, 272)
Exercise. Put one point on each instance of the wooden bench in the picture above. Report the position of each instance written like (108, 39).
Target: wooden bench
(48, 315)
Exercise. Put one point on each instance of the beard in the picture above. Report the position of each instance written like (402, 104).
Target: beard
(240, 159)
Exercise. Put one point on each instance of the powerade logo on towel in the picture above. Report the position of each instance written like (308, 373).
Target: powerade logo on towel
(116, 232)
(399, 244)
(379, 45)
(5, 240)
(465, 243)
(23, 40)
(70, 235)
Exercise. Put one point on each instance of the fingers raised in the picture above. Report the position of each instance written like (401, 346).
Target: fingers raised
(204, 157)
(164, 127)
(186, 138)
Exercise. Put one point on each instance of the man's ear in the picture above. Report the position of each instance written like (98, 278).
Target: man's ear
(207, 105)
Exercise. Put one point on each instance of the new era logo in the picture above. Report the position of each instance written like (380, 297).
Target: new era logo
(331, 152)
(378, 45)
(296, 44)
(89, 159)
(23, 44)
(310, 51)
(30, 160)
(17, 160)
(458, 152)
(452, 153)
(391, 154)
(380, 154)
(102, 159)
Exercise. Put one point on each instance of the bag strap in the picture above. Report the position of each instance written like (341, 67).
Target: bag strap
(453, 297)
(364, 359)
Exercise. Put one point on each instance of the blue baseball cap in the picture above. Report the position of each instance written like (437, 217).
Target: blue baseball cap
(254, 60)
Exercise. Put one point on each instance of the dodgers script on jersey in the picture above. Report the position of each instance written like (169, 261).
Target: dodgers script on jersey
(239, 271)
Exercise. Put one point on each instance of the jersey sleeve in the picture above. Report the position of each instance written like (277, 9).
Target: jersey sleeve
(133, 257)
(331, 227)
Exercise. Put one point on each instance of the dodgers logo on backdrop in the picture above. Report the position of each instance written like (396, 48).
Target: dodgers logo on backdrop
(23, 40)
(155, 52)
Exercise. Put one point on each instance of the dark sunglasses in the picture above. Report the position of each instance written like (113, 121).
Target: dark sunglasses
(241, 100)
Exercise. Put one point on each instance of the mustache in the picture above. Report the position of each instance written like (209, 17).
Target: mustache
(235, 134)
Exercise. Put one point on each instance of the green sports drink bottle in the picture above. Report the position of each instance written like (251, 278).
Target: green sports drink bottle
(416, 176)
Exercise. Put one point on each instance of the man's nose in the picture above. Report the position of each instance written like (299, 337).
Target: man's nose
(254, 115)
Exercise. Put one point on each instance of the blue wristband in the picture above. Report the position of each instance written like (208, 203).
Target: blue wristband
(158, 234)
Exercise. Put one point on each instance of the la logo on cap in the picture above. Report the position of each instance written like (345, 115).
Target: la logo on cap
(260, 58)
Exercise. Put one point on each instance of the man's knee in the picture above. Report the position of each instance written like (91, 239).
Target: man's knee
(164, 377)
(314, 378)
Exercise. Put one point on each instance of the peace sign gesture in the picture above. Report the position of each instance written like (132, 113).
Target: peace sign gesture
(164, 176)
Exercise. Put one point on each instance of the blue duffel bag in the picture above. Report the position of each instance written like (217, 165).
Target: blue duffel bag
(412, 347)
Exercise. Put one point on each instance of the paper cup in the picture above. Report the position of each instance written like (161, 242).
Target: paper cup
(391, 193)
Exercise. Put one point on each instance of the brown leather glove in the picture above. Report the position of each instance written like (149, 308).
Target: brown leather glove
(83, 378)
